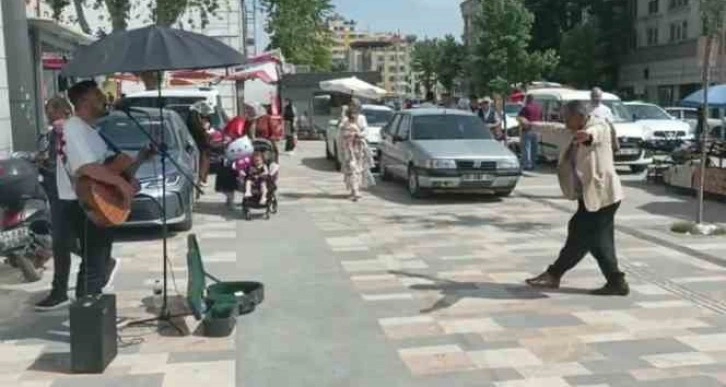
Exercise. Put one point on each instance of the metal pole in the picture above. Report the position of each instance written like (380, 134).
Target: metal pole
(704, 129)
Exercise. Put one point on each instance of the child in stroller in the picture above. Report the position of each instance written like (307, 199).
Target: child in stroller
(259, 180)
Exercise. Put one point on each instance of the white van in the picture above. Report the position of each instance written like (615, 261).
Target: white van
(180, 99)
(554, 136)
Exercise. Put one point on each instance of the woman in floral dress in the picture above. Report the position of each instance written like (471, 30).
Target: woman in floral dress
(357, 159)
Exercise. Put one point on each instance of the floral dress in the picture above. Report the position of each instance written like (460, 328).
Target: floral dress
(357, 159)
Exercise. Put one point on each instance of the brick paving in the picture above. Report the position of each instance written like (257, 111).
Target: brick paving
(395, 292)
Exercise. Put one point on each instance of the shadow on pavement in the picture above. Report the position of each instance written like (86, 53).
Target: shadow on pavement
(396, 192)
(320, 164)
(431, 221)
(140, 234)
(24, 323)
(218, 209)
(321, 195)
(453, 291)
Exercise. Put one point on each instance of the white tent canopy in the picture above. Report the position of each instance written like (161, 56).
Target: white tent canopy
(353, 86)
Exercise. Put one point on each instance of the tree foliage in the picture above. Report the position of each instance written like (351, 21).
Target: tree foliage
(580, 66)
(425, 62)
(299, 30)
(451, 59)
(500, 55)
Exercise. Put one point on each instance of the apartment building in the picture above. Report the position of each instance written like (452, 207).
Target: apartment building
(390, 54)
(666, 52)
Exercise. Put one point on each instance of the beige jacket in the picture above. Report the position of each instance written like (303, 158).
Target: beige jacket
(595, 167)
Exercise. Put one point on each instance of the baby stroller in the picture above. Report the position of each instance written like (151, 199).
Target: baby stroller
(253, 203)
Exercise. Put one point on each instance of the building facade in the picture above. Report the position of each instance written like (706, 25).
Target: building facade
(468, 12)
(390, 54)
(666, 52)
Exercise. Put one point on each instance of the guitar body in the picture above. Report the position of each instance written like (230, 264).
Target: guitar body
(107, 204)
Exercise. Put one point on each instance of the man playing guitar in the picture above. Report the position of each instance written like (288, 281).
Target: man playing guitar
(84, 151)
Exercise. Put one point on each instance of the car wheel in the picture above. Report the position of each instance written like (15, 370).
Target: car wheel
(637, 168)
(414, 189)
(188, 221)
(385, 175)
(503, 194)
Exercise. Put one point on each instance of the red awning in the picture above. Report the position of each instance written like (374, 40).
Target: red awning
(194, 74)
(246, 75)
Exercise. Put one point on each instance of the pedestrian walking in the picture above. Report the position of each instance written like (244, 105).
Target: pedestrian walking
(357, 156)
(586, 173)
(289, 116)
(599, 109)
(530, 113)
(200, 127)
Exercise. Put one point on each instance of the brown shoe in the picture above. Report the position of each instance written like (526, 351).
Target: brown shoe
(544, 280)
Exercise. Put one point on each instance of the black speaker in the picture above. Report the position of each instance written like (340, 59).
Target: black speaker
(93, 333)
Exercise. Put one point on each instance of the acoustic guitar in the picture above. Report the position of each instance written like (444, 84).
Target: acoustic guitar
(106, 192)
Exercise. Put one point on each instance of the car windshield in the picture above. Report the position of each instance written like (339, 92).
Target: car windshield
(449, 127)
(124, 133)
(377, 117)
(620, 111)
(648, 112)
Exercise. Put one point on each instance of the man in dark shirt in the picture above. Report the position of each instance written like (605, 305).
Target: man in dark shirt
(531, 112)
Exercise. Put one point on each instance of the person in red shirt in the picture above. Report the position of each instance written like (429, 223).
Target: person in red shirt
(531, 112)
(237, 127)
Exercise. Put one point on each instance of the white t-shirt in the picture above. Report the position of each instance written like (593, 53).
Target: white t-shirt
(80, 145)
(603, 112)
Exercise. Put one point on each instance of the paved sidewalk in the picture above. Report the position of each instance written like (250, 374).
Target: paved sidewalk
(429, 293)
(34, 347)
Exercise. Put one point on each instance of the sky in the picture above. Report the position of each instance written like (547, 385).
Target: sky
(424, 18)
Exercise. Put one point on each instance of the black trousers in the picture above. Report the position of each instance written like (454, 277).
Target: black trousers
(95, 245)
(590, 232)
(64, 242)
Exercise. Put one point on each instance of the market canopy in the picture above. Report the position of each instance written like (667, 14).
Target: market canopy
(354, 87)
(716, 98)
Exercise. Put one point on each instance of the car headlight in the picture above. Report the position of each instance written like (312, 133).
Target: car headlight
(508, 164)
(440, 164)
(170, 181)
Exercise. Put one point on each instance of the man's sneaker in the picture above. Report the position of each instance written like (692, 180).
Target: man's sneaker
(111, 269)
(52, 302)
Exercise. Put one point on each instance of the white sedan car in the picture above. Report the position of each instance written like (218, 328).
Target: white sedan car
(377, 117)
(658, 124)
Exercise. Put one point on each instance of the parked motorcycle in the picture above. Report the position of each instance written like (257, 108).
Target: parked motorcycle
(25, 229)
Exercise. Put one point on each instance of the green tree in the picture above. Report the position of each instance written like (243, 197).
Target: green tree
(451, 58)
(163, 12)
(425, 62)
(580, 66)
(299, 30)
(500, 55)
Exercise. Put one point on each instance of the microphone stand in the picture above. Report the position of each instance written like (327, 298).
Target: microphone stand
(165, 314)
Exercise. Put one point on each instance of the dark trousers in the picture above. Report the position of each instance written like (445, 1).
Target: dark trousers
(64, 242)
(96, 244)
(594, 233)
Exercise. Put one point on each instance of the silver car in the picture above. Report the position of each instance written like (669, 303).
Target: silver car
(146, 206)
(446, 150)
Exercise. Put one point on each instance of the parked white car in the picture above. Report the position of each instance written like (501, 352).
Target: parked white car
(658, 124)
(377, 117)
(690, 115)
(554, 136)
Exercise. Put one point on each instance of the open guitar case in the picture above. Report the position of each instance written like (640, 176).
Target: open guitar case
(218, 305)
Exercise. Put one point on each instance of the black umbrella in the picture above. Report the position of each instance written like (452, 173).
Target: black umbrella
(151, 48)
